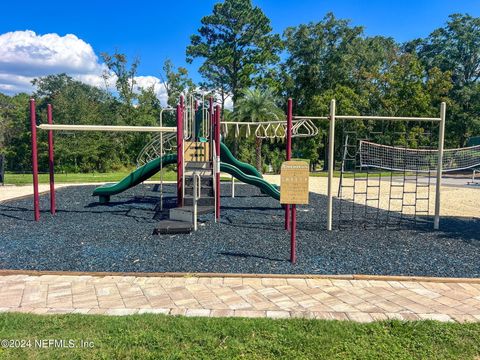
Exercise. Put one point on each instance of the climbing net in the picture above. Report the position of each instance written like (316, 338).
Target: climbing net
(381, 189)
(422, 160)
(387, 171)
(154, 149)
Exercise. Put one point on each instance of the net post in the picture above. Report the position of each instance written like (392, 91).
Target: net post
(33, 124)
(438, 185)
(331, 162)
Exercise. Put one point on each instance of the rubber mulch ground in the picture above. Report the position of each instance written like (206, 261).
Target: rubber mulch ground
(87, 236)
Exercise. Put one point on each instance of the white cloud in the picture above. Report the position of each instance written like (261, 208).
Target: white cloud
(229, 103)
(25, 55)
(158, 87)
(28, 54)
(12, 83)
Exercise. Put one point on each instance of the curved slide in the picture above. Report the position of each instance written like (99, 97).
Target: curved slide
(226, 156)
(229, 164)
(264, 185)
(136, 177)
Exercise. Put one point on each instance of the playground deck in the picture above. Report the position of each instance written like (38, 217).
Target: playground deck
(86, 236)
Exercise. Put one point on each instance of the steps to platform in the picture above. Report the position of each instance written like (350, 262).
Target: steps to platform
(205, 191)
(165, 227)
(203, 201)
(181, 219)
(181, 214)
(185, 213)
(198, 165)
(205, 182)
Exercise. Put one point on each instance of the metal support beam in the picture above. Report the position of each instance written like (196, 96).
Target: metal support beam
(33, 124)
(331, 163)
(288, 153)
(438, 186)
(105, 128)
(51, 164)
(179, 155)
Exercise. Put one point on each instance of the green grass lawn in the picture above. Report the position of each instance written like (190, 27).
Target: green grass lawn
(168, 337)
(24, 179)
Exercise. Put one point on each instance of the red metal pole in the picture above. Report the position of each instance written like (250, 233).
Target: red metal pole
(217, 149)
(51, 162)
(33, 124)
(293, 250)
(180, 153)
(289, 152)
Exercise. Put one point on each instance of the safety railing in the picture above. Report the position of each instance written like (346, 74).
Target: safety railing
(197, 193)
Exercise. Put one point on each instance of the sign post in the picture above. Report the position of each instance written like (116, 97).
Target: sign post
(294, 191)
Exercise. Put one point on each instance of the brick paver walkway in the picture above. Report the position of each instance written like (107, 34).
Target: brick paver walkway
(358, 300)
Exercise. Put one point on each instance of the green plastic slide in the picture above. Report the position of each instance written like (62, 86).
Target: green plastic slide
(264, 185)
(229, 164)
(136, 177)
(226, 156)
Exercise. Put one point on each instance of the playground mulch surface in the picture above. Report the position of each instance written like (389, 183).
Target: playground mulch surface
(87, 236)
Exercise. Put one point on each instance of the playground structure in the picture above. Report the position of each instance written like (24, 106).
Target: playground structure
(198, 185)
(153, 157)
(198, 141)
(195, 146)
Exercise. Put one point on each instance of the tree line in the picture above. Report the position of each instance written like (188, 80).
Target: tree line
(240, 57)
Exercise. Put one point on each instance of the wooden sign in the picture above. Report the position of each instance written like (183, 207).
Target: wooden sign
(294, 182)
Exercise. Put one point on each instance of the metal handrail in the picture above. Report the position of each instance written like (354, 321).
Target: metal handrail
(214, 172)
(197, 193)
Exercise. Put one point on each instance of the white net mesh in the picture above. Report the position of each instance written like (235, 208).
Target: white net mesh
(422, 160)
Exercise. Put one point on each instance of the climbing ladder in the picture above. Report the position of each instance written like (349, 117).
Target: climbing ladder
(360, 194)
(360, 198)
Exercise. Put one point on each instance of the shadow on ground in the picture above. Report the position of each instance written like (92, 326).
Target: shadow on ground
(250, 238)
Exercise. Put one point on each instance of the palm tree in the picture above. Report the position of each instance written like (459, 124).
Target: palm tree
(258, 105)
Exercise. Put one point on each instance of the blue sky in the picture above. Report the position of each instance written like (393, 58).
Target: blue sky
(156, 30)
